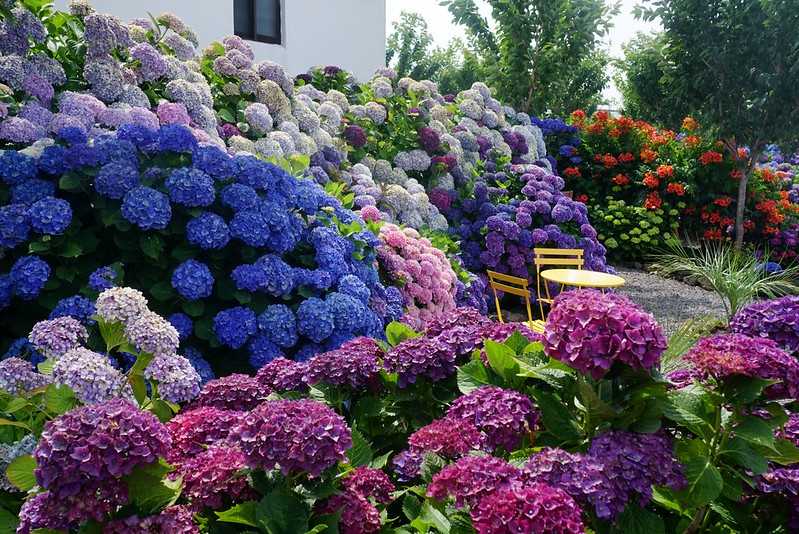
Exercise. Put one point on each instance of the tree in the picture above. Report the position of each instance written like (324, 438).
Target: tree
(643, 80)
(541, 55)
(735, 64)
(410, 51)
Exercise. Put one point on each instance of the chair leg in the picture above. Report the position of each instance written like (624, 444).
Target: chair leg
(496, 302)
(529, 312)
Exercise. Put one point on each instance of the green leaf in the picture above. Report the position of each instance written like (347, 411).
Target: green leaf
(431, 465)
(162, 410)
(8, 522)
(471, 376)
(20, 472)
(283, 512)
(557, 417)
(226, 115)
(755, 430)
(397, 332)
(152, 246)
(434, 517)
(361, 451)
(70, 182)
(46, 367)
(8, 422)
(704, 480)
(71, 249)
(411, 507)
(502, 360)
(517, 342)
(241, 514)
(149, 488)
(194, 308)
(784, 452)
(739, 451)
(162, 291)
(637, 520)
(59, 399)
(745, 389)
(139, 387)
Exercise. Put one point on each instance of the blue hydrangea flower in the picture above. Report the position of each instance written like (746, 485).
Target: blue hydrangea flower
(175, 138)
(353, 286)
(308, 351)
(347, 311)
(262, 351)
(234, 326)
(72, 135)
(77, 307)
(147, 208)
(193, 280)
(200, 364)
(29, 274)
(249, 278)
(103, 278)
(373, 326)
(119, 150)
(14, 226)
(252, 171)
(53, 160)
(239, 197)
(213, 161)
(279, 275)
(140, 136)
(308, 197)
(31, 191)
(315, 319)
(250, 227)
(116, 178)
(183, 324)
(6, 291)
(208, 231)
(315, 279)
(278, 323)
(50, 215)
(82, 156)
(24, 349)
(16, 167)
(191, 187)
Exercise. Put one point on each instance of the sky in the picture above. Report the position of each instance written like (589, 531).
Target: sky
(441, 27)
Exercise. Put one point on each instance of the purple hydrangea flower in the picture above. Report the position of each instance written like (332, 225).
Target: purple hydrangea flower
(177, 379)
(18, 376)
(590, 331)
(369, 483)
(355, 136)
(55, 337)
(196, 429)
(232, 392)
(89, 375)
(504, 416)
(421, 357)
(214, 479)
(123, 304)
(174, 519)
(471, 478)
(295, 435)
(357, 514)
(283, 375)
(151, 333)
(775, 319)
(355, 364)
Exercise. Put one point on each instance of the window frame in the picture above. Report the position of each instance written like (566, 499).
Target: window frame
(252, 34)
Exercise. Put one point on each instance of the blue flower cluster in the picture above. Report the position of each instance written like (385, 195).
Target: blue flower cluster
(255, 255)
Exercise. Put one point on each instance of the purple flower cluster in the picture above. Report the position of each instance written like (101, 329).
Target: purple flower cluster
(504, 416)
(369, 483)
(90, 376)
(775, 319)
(592, 331)
(174, 519)
(355, 364)
(531, 508)
(18, 376)
(421, 357)
(725, 355)
(283, 375)
(471, 478)
(357, 514)
(301, 436)
(214, 479)
(55, 337)
(232, 392)
(196, 429)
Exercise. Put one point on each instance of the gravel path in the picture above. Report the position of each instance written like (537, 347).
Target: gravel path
(670, 301)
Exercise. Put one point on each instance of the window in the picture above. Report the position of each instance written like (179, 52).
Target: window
(257, 20)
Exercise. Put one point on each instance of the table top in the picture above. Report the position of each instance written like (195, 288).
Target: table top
(582, 278)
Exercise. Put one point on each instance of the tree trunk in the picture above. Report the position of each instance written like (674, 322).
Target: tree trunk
(740, 210)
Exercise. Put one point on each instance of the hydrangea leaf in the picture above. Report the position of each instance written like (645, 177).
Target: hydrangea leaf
(282, 512)
(397, 332)
(241, 514)
(149, 488)
(361, 451)
(638, 520)
(786, 452)
(755, 430)
(704, 480)
(739, 451)
(502, 360)
(471, 376)
(20, 472)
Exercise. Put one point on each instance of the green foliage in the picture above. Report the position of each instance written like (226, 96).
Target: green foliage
(540, 55)
(735, 65)
(735, 275)
(632, 232)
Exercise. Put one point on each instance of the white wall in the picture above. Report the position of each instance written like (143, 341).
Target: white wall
(347, 33)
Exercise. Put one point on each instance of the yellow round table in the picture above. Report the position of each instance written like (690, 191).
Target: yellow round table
(580, 278)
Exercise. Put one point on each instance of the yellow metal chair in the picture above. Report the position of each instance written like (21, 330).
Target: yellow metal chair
(548, 257)
(515, 286)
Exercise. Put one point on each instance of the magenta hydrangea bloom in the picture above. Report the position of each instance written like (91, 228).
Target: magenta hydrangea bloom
(775, 319)
(214, 479)
(233, 392)
(790, 430)
(423, 357)
(369, 483)
(590, 331)
(358, 515)
(503, 415)
(174, 520)
(195, 430)
(633, 463)
(580, 476)
(295, 435)
(725, 355)
(471, 478)
(535, 509)
(97, 445)
(459, 317)
(448, 438)
(55, 337)
(355, 364)
(46, 510)
(283, 375)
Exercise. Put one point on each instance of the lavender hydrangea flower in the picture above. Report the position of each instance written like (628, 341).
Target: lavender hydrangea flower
(355, 364)
(18, 377)
(55, 337)
(471, 478)
(296, 436)
(505, 416)
(420, 357)
(177, 379)
(89, 375)
(152, 65)
(775, 319)
(590, 331)
(152, 333)
(123, 304)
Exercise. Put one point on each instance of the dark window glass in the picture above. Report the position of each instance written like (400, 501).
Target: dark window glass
(257, 20)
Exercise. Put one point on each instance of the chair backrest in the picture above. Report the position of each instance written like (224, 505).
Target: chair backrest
(509, 284)
(558, 256)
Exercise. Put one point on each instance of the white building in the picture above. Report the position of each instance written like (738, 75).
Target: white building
(298, 34)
